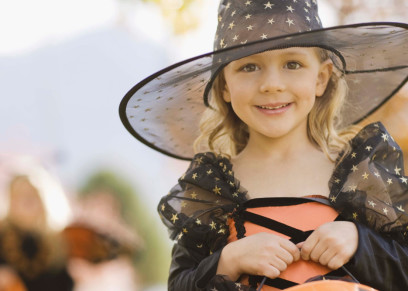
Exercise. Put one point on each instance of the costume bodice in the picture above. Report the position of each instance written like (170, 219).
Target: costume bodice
(291, 218)
(368, 185)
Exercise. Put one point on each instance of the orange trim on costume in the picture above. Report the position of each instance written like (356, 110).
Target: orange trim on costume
(307, 216)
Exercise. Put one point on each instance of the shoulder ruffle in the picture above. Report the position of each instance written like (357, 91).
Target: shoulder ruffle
(369, 186)
(196, 209)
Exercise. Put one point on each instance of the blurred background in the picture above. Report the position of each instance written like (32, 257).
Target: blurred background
(78, 194)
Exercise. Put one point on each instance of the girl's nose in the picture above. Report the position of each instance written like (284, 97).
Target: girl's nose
(271, 82)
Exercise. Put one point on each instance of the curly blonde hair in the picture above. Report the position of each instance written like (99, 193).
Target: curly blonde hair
(224, 133)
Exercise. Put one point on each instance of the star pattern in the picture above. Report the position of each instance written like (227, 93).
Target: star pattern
(217, 190)
(268, 5)
(290, 21)
(236, 17)
(174, 218)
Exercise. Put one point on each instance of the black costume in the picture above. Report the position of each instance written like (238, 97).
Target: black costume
(367, 187)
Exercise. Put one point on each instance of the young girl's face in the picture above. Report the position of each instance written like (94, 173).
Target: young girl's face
(274, 91)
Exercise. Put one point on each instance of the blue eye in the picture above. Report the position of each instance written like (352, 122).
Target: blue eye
(249, 68)
(292, 65)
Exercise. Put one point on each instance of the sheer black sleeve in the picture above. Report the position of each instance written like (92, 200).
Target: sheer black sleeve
(196, 212)
(369, 186)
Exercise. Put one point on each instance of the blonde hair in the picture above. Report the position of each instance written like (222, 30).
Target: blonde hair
(224, 133)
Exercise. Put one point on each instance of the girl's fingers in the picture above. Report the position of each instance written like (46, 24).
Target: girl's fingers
(286, 256)
(270, 272)
(317, 251)
(327, 256)
(308, 246)
(336, 262)
(278, 264)
(292, 249)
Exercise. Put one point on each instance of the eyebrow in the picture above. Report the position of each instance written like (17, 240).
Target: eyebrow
(294, 53)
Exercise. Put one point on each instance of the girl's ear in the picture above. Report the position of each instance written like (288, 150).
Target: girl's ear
(226, 94)
(325, 72)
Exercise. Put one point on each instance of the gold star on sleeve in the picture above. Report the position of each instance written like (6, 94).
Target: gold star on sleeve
(163, 207)
(404, 180)
(355, 215)
(198, 221)
(174, 218)
(355, 168)
(195, 175)
(198, 160)
(384, 136)
(365, 176)
(397, 170)
(213, 225)
(400, 208)
(217, 190)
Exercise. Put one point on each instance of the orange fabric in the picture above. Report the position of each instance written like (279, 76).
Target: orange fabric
(307, 216)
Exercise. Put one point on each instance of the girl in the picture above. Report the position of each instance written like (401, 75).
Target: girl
(319, 199)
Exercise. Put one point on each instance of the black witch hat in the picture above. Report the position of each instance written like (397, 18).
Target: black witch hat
(163, 111)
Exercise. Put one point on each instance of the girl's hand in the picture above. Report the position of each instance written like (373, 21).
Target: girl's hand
(331, 244)
(260, 254)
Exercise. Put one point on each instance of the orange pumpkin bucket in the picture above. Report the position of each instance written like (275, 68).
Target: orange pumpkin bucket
(332, 285)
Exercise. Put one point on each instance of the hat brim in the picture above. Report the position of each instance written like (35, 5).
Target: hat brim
(163, 111)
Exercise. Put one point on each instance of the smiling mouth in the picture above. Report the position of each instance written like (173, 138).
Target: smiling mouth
(272, 107)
